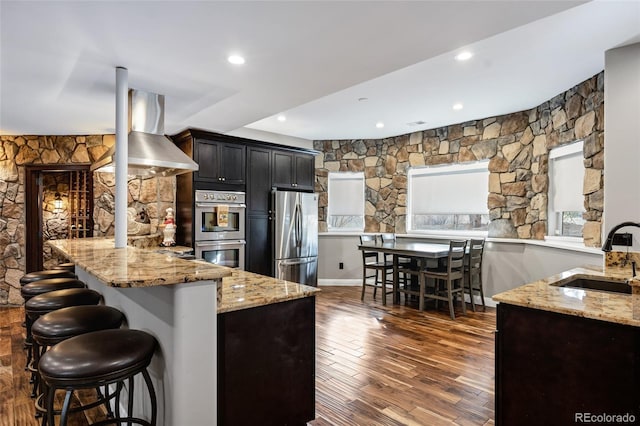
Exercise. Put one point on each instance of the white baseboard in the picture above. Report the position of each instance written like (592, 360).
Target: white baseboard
(350, 282)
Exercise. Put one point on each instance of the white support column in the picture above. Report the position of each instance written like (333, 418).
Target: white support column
(120, 157)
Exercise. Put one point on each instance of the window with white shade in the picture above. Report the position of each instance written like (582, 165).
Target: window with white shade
(346, 201)
(566, 202)
(449, 198)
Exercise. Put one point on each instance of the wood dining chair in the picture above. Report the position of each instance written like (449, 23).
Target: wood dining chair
(377, 272)
(449, 282)
(473, 272)
(406, 268)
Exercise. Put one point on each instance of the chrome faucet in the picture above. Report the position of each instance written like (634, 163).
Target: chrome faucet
(609, 241)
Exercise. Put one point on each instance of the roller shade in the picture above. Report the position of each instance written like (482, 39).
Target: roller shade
(461, 188)
(346, 194)
(566, 176)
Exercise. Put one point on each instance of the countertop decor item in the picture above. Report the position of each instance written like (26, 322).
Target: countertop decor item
(169, 229)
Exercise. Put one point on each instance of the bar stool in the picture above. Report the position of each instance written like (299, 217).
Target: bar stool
(97, 359)
(43, 275)
(71, 267)
(36, 288)
(62, 324)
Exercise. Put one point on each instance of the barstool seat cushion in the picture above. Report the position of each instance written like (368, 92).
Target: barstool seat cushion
(58, 299)
(64, 323)
(43, 275)
(98, 357)
(65, 266)
(51, 284)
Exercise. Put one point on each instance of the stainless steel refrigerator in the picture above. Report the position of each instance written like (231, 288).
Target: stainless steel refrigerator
(295, 236)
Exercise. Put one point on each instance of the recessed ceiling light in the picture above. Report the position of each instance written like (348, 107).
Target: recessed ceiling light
(282, 118)
(236, 59)
(457, 106)
(379, 124)
(463, 56)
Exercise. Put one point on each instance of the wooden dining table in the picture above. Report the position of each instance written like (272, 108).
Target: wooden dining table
(422, 252)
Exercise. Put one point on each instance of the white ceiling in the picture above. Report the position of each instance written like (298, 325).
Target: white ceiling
(309, 60)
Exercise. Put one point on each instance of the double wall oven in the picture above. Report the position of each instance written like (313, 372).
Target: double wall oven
(220, 227)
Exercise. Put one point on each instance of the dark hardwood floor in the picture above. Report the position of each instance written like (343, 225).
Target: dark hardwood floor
(395, 365)
(376, 365)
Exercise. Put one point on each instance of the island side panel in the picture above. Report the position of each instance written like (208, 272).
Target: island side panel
(182, 317)
(552, 367)
(266, 366)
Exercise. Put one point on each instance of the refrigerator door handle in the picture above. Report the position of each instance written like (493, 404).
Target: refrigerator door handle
(289, 262)
(298, 225)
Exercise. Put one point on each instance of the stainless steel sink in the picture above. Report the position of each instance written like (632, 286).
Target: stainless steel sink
(599, 284)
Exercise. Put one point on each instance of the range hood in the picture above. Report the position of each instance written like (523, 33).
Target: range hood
(151, 153)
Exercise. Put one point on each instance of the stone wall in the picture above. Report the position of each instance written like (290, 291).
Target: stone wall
(153, 195)
(517, 146)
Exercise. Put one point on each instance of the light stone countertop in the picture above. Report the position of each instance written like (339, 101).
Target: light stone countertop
(134, 267)
(138, 267)
(600, 305)
(243, 290)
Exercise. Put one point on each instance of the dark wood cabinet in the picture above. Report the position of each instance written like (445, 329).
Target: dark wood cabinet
(219, 162)
(266, 364)
(293, 170)
(236, 164)
(552, 367)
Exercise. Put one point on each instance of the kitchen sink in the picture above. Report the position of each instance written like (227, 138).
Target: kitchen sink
(599, 284)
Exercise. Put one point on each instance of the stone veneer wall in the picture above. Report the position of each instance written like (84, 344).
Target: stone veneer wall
(517, 146)
(154, 195)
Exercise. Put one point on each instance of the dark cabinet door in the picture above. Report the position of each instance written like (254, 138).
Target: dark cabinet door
(258, 250)
(232, 163)
(206, 155)
(220, 162)
(283, 169)
(304, 171)
(259, 180)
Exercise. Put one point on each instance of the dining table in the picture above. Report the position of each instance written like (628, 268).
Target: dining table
(422, 252)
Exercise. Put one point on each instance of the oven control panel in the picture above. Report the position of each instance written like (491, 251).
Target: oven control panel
(222, 197)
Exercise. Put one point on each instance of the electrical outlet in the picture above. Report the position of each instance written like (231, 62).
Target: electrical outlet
(341, 265)
(622, 239)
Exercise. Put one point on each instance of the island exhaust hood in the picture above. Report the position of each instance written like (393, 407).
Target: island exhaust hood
(151, 153)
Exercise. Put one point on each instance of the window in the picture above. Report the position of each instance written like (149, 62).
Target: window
(346, 201)
(449, 198)
(566, 202)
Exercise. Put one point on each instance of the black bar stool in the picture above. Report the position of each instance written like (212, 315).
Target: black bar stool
(71, 267)
(36, 288)
(43, 275)
(62, 324)
(97, 359)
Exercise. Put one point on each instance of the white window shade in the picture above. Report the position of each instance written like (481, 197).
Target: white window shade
(450, 189)
(567, 176)
(346, 194)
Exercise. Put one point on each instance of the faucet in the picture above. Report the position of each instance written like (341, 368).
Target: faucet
(609, 241)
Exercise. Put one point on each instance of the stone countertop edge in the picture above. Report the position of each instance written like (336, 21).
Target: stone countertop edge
(546, 295)
(245, 290)
(134, 267)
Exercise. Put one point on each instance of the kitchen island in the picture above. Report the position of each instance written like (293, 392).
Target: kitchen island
(567, 354)
(178, 302)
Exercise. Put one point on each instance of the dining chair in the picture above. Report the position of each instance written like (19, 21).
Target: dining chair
(377, 272)
(473, 272)
(406, 268)
(448, 282)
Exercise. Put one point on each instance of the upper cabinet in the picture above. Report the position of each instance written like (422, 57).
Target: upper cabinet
(293, 170)
(219, 162)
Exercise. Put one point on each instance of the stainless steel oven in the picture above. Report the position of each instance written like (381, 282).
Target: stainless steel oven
(228, 253)
(219, 215)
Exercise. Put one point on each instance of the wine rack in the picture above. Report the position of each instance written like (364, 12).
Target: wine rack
(80, 204)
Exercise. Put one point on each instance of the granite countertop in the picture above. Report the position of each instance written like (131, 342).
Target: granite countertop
(600, 305)
(243, 290)
(134, 267)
